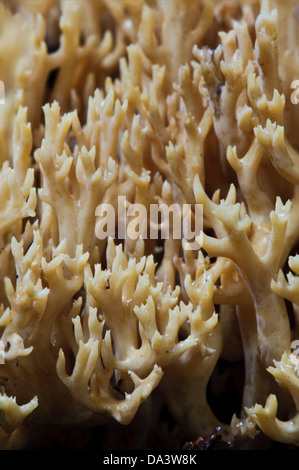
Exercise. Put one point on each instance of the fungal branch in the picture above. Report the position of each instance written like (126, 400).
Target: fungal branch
(256, 271)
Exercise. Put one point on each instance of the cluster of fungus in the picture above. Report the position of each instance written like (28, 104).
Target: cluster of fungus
(143, 343)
